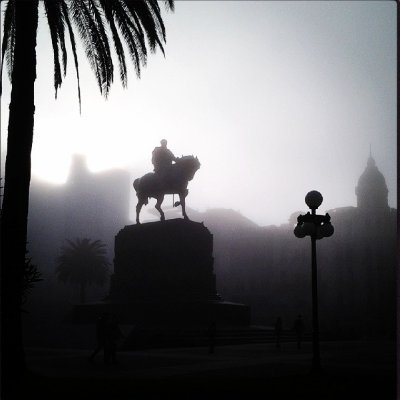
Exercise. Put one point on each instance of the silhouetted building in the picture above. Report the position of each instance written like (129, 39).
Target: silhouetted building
(359, 287)
(91, 205)
(270, 269)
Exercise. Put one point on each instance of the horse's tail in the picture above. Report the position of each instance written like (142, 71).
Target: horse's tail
(140, 195)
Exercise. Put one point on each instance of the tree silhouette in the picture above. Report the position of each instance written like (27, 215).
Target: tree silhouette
(139, 25)
(31, 276)
(83, 263)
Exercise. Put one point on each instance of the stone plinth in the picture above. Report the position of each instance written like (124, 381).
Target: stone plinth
(172, 260)
(163, 275)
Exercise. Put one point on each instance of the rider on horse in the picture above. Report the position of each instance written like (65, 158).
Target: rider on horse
(162, 158)
(166, 179)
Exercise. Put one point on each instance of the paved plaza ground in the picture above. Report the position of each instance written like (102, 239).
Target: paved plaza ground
(350, 370)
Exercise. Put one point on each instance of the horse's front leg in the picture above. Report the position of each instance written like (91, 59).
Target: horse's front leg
(182, 197)
(139, 206)
(158, 207)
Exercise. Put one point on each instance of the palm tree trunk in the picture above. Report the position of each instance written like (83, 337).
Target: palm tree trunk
(16, 193)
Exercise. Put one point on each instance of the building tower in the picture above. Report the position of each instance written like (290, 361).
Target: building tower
(371, 190)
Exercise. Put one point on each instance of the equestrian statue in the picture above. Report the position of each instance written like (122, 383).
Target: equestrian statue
(167, 178)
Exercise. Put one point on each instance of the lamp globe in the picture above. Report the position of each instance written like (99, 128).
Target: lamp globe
(313, 199)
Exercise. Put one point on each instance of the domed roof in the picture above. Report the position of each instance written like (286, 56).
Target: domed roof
(371, 189)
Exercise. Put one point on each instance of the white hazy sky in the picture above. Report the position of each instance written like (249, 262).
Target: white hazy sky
(276, 98)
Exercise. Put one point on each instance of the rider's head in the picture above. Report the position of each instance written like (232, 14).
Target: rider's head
(163, 143)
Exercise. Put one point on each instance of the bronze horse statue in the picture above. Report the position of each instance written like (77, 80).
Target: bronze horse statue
(174, 181)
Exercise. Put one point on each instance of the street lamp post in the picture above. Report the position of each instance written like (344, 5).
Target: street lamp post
(317, 227)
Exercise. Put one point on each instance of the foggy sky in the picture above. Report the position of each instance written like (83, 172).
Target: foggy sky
(275, 99)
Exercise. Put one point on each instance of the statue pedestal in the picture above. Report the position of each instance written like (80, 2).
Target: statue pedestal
(166, 261)
(163, 275)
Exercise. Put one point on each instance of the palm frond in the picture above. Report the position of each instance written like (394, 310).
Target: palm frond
(132, 34)
(65, 16)
(93, 40)
(106, 53)
(62, 41)
(81, 22)
(109, 14)
(169, 5)
(8, 45)
(56, 26)
(154, 8)
(141, 10)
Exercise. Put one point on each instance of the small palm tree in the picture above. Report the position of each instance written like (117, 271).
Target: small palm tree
(83, 262)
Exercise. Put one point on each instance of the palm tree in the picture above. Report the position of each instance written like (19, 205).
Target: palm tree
(83, 263)
(137, 23)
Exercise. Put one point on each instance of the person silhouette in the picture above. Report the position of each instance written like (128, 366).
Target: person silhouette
(162, 159)
(112, 334)
(100, 335)
(278, 332)
(299, 330)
